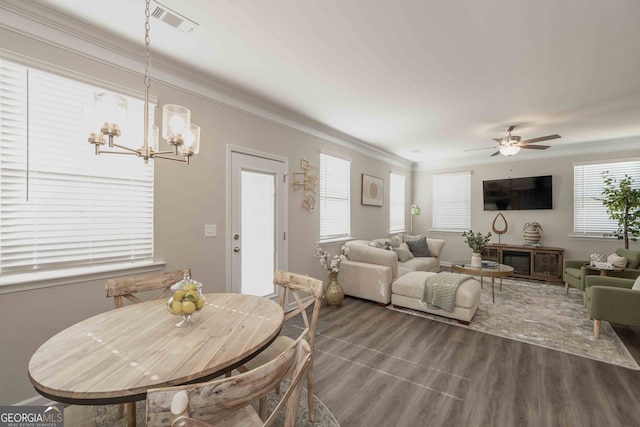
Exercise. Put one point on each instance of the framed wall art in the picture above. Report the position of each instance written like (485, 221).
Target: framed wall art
(372, 190)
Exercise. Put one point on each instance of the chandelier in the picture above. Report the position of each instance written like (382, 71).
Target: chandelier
(110, 110)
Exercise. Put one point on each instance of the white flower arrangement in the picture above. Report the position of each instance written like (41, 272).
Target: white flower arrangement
(332, 266)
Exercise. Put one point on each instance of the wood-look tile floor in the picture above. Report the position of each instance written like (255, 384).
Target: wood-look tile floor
(378, 367)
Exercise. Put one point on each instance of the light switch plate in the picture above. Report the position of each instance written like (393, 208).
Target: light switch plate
(210, 230)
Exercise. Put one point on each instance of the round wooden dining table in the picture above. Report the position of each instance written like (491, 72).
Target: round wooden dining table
(116, 356)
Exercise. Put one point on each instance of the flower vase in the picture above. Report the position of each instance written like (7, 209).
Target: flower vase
(476, 260)
(334, 294)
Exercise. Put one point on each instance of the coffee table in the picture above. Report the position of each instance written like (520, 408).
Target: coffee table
(500, 271)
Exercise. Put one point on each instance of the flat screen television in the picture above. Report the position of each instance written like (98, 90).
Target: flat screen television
(535, 192)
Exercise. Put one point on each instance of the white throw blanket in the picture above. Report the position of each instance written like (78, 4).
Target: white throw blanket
(440, 289)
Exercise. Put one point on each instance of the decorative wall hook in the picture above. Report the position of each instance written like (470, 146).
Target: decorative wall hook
(308, 181)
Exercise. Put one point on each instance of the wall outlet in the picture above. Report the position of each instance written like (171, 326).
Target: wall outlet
(210, 230)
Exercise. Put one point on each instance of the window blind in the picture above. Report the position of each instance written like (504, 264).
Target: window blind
(62, 206)
(589, 214)
(452, 201)
(396, 202)
(335, 197)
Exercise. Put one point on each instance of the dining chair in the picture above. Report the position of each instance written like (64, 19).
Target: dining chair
(127, 287)
(292, 285)
(228, 401)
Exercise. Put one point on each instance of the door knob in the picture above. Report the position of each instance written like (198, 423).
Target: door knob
(236, 249)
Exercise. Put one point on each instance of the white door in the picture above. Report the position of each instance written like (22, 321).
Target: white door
(258, 222)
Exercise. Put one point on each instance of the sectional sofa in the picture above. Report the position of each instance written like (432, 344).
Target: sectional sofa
(373, 265)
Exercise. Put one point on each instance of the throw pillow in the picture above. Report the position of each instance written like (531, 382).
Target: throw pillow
(596, 257)
(408, 238)
(396, 240)
(617, 260)
(636, 284)
(404, 254)
(380, 245)
(419, 247)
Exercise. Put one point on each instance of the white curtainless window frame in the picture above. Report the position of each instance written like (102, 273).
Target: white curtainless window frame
(61, 206)
(335, 197)
(397, 188)
(452, 201)
(590, 218)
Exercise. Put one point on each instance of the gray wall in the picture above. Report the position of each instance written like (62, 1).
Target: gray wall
(186, 198)
(557, 223)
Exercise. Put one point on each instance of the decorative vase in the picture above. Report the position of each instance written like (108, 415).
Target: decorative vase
(334, 294)
(532, 232)
(476, 260)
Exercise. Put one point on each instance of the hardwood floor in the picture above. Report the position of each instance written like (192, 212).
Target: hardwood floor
(378, 367)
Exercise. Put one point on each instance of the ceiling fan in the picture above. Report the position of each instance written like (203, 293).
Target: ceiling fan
(511, 144)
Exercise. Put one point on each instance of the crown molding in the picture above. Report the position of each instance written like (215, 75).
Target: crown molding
(41, 23)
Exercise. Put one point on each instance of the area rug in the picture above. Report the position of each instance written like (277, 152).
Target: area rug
(542, 314)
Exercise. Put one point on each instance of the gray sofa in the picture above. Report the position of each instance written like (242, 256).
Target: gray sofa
(369, 271)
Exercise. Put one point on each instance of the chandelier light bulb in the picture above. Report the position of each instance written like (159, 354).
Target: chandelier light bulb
(111, 109)
(191, 141)
(176, 125)
(175, 120)
(509, 150)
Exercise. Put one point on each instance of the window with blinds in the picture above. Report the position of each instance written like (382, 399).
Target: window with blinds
(335, 197)
(590, 216)
(396, 202)
(61, 206)
(452, 201)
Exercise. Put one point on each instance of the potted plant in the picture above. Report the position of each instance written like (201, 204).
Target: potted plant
(622, 201)
(477, 242)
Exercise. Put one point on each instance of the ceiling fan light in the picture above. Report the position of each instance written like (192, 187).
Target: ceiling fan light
(509, 150)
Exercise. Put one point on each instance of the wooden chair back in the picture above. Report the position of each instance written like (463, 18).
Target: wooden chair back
(228, 401)
(292, 284)
(126, 287)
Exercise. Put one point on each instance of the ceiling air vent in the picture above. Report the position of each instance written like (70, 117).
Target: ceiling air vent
(172, 18)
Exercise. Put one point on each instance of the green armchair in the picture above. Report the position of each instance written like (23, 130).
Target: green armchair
(575, 271)
(612, 299)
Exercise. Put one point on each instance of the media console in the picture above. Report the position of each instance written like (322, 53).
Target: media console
(539, 263)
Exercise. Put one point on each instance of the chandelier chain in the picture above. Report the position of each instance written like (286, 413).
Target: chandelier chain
(147, 64)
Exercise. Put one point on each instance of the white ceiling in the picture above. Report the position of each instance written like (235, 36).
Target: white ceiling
(422, 79)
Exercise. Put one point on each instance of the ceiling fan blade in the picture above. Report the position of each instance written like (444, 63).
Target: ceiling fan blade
(476, 149)
(535, 147)
(499, 140)
(496, 153)
(540, 139)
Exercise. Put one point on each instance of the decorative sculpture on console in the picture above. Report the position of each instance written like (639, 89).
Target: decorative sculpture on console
(499, 232)
(532, 233)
